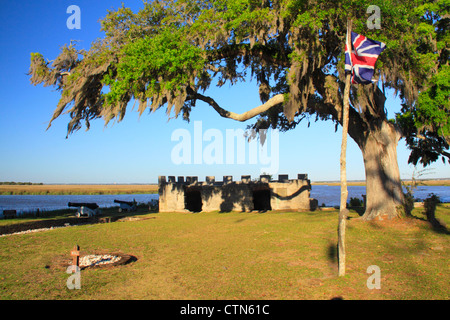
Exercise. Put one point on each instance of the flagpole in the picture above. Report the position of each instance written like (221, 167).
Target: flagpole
(343, 212)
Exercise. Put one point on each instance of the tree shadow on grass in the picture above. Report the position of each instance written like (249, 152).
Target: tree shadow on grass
(436, 225)
(332, 256)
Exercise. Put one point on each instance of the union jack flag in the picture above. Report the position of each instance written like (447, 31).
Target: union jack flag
(364, 55)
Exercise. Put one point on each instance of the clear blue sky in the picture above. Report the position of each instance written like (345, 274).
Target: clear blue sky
(136, 150)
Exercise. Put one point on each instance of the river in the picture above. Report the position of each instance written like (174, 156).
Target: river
(30, 203)
(328, 195)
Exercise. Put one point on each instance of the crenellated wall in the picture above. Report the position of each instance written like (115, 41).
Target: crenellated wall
(184, 194)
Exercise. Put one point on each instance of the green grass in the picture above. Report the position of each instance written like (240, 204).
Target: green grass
(233, 256)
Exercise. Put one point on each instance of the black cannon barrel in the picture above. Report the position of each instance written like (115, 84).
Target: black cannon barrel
(92, 206)
(125, 202)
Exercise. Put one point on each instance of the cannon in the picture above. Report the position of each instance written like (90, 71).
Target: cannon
(126, 205)
(86, 209)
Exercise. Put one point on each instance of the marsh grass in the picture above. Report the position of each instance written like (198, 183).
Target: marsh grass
(234, 256)
(77, 189)
(136, 189)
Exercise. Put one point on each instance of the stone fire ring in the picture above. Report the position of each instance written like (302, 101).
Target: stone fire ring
(103, 260)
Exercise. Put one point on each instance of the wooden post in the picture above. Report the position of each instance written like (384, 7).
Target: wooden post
(75, 253)
(343, 212)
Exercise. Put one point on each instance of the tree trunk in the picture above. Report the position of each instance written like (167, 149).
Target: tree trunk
(343, 212)
(383, 185)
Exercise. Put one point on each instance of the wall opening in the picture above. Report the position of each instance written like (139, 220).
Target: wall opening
(261, 199)
(193, 200)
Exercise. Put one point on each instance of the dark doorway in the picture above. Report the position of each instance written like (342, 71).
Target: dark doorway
(193, 200)
(261, 199)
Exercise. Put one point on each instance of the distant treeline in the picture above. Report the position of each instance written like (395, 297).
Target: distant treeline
(12, 183)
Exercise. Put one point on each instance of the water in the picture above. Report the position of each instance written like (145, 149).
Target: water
(30, 203)
(328, 195)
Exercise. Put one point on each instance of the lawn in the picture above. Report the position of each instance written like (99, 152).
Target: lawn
(233, 255)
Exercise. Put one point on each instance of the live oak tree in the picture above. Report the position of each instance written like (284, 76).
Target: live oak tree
(170, 53)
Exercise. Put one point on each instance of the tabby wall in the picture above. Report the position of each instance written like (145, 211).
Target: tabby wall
(187, 194)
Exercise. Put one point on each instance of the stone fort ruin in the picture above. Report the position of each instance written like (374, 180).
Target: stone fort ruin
(190, 195)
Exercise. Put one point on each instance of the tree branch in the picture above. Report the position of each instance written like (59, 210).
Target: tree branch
(444, 153)
(276, 100)
(269, 55)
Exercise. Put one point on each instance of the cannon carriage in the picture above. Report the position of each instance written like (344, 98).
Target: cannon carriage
(127, 206)
(86, 209)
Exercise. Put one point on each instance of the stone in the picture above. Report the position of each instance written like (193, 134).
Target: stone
(98, 260)
(161, 179)
(227, 179)
(243, 196)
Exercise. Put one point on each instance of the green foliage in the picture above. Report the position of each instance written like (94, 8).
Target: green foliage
(13, 183)
(356, 202)
(152, 67)
(429, 205)
(408, 202)
(41, 72)
(434, 104)
(425, 121)
(427, 126)
(169, 51)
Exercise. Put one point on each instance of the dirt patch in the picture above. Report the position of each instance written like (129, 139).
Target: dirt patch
(134, 219)
(55, 223)
(41, 224)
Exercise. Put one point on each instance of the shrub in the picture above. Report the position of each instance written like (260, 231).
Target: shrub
(355, 202)
(430, 204)
(408, 202)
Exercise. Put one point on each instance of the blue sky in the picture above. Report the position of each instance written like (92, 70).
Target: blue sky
(138, 149)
